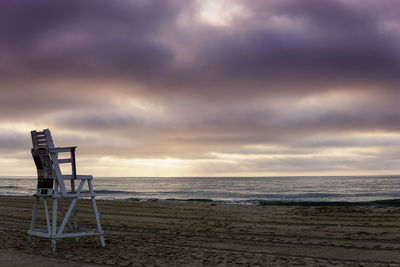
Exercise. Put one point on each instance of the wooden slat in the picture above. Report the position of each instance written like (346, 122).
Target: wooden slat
(78, 234)
(75, 195)
(40, 234)
(66, 217)
(61, 161)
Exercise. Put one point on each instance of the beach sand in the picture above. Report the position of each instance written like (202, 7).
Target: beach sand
(206, 234)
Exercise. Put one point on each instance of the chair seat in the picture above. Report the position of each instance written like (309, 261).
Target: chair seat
(77, 177)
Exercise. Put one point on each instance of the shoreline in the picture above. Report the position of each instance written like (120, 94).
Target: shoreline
(208, 234)
(252, 202)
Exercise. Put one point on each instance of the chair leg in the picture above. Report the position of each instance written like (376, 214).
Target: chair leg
(53, 244)
(75, 221)
(96, 213)
(46, 211)
(103, 244)
(54, 225)
(74, 211)
(33, 220)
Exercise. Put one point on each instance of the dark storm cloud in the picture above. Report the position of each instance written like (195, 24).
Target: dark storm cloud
(311, 45)
(285, 45)
(74, 38)
(11, 142)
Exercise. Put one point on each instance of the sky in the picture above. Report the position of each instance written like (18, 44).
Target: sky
(203, 87)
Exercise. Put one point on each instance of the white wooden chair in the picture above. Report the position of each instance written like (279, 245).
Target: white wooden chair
(51, 184)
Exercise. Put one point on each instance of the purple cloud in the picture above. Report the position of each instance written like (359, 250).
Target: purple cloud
(166, 82)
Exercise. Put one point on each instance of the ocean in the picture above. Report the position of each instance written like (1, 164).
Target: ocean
(315, 190)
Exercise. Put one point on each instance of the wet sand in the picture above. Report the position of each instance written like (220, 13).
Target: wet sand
(206, 234)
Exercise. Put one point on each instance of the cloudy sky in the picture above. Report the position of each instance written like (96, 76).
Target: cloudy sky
(203, 87)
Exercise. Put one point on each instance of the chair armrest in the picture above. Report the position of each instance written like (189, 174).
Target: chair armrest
(62, 149)
(70, 149)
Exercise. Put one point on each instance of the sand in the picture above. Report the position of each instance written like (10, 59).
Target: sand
(206, 234)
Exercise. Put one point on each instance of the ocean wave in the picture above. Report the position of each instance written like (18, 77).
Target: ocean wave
(15, 194)
(120, 192)
(9, 187)
(252, 202)
(191, 200)
(375, 203)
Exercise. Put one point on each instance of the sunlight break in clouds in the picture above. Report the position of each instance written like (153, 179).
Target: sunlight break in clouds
(220, 12)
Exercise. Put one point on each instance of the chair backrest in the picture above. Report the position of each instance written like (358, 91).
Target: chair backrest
(42, 142)
(42, 139)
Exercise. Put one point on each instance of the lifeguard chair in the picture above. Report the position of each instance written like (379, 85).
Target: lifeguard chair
(52, 185)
